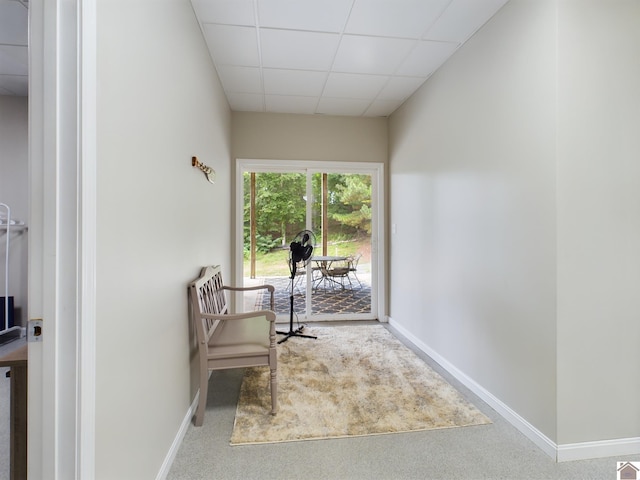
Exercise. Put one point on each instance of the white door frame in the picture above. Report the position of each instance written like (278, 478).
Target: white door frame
(376, 170)
(62, 177)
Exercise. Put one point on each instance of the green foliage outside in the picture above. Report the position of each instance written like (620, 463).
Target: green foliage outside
(352, 203)
(281, 211)
(280, 208)
(274, 263)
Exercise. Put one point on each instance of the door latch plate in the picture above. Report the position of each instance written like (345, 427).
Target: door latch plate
(34, 331)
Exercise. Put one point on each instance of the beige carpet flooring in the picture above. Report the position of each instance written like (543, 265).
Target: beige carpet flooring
(351, 381)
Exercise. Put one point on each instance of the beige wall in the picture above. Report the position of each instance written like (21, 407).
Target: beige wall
(159, 220)
(14, 191)
(522, 153)
(598, 220)
(472, 164)
(309, 137)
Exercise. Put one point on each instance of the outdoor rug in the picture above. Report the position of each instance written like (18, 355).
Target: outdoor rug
(356, 300)
(351, 381)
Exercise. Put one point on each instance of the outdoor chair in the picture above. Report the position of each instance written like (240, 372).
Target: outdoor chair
(338, 274)
(352, 262)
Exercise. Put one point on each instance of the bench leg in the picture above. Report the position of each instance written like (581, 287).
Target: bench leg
(274, 392)
(202, 400)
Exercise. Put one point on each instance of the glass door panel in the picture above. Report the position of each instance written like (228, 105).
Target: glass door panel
(274, 212)
(341, 216)
(336, 207)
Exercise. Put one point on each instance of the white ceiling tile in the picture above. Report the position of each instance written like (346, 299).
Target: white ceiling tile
(293, 82)
(230, 12)
(382, 108)
(374, 55)
(246, 102)
(298, 56)
(394, 18)
(13, 23)
(338, 57)
(426, 58)
(298, 50)
(342, 106)
(314, 15)
(14, 60)
(231, 45)
(400, 88)
(351, 85)
(240, 79)
(462, 19)
(291, 104)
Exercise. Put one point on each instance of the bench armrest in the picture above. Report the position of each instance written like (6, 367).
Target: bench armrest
(270, 288)
(270, 315)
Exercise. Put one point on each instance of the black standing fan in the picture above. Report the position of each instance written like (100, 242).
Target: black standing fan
(300, 251)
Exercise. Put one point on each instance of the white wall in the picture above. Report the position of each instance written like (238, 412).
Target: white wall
(14, 192)
(472, 162)
(522, 153)
(599, 220)
(159, 220)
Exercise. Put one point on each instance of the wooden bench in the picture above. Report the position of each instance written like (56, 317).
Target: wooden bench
(227, 340)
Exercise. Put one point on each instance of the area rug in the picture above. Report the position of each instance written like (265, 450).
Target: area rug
(351, 381)
(356, 300)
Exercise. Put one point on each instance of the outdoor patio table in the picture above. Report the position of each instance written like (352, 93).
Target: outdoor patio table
(323, 263)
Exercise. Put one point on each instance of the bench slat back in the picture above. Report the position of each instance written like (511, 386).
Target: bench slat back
(230, 340)
(209, 298)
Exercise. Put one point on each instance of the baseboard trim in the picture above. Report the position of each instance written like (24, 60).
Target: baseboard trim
(177, 441)
(562, 452)
(605, 448)
(528, 430)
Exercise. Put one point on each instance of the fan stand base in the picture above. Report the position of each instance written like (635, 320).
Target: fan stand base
(292, 332)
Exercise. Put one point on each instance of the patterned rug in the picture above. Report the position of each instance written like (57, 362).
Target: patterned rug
(351, 381)
(348, 300)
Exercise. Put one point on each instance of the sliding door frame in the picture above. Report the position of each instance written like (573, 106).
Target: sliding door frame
(376, 170)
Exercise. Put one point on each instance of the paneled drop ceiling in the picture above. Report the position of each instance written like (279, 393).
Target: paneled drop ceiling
(333, 57)
(14, 63)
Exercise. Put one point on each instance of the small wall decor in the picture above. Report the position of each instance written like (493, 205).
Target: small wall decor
(209, 172)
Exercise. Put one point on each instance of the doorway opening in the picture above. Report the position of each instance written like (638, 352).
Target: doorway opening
(340, 204)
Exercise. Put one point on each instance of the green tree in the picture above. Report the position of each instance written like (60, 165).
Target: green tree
(352, 202)
(280, 204)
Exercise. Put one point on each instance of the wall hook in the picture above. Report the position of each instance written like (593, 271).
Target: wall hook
(209, 172)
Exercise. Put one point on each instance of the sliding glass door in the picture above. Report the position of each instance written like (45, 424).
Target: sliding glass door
(339, 205)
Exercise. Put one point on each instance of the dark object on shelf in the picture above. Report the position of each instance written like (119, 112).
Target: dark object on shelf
(3, 311)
